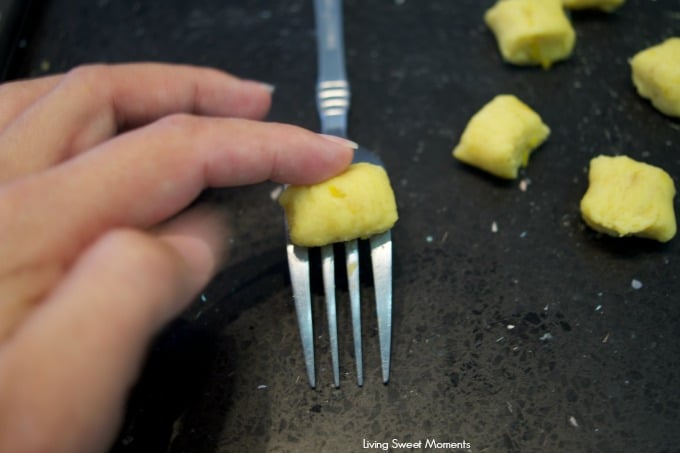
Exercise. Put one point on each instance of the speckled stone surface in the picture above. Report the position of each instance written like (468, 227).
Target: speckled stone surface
(516, 328)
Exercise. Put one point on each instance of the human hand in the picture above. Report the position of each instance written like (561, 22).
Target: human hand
(97, 249)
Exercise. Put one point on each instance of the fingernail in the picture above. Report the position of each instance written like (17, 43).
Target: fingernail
(340, 141)
(268, 86)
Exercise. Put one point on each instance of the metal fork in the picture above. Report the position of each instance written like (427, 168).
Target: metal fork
(333, 96)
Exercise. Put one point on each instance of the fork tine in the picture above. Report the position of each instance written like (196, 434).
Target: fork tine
(352, 260)
(298, 264)
(328, 267)
(381, 259)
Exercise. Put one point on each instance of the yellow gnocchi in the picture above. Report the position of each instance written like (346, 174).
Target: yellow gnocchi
(501, 136)
(656, 75)
(531, 32)
(629, 198)
(355, 204)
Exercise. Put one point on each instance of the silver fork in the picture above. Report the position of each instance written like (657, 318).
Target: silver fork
(333, 104)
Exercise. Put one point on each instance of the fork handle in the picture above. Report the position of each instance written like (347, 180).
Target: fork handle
(332, 90)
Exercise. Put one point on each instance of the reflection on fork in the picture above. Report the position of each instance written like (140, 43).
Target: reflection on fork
(333, 103)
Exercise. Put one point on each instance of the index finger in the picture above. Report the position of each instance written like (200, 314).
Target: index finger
(146, 176)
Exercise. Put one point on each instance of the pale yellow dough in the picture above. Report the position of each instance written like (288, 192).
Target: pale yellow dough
(531, 32)
(501, 136)
(355, 204)
(604, 5)
(656, 75)
(629, 198)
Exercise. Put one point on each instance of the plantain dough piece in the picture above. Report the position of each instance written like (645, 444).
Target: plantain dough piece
(531, 32)
(501, 136)
(656, 75)
(355, 204)
(604, 5)
(629, 198)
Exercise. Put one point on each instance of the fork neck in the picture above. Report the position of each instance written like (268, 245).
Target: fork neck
(333, 105)
(332, 91)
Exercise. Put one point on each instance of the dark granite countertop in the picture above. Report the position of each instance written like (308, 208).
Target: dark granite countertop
(529, 338)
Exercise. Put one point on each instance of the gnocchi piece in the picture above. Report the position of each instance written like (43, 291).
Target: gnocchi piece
(355, 204)
(501, 136)
(531, 32)
(629, 198)
(656, 75)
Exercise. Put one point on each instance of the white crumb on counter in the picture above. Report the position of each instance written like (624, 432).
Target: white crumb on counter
(274, 194)
(524, 184)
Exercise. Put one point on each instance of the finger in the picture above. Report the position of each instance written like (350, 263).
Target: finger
(92, 103)
(201, 234)
(20, 291)
(67, 370)
(23, 288)
(16, 96)
(148, 175)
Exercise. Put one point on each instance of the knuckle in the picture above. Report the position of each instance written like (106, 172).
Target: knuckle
(143, 250)
(154, 259)
(179, 122)
(90, 76)
(149, 265)
(178, 127)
